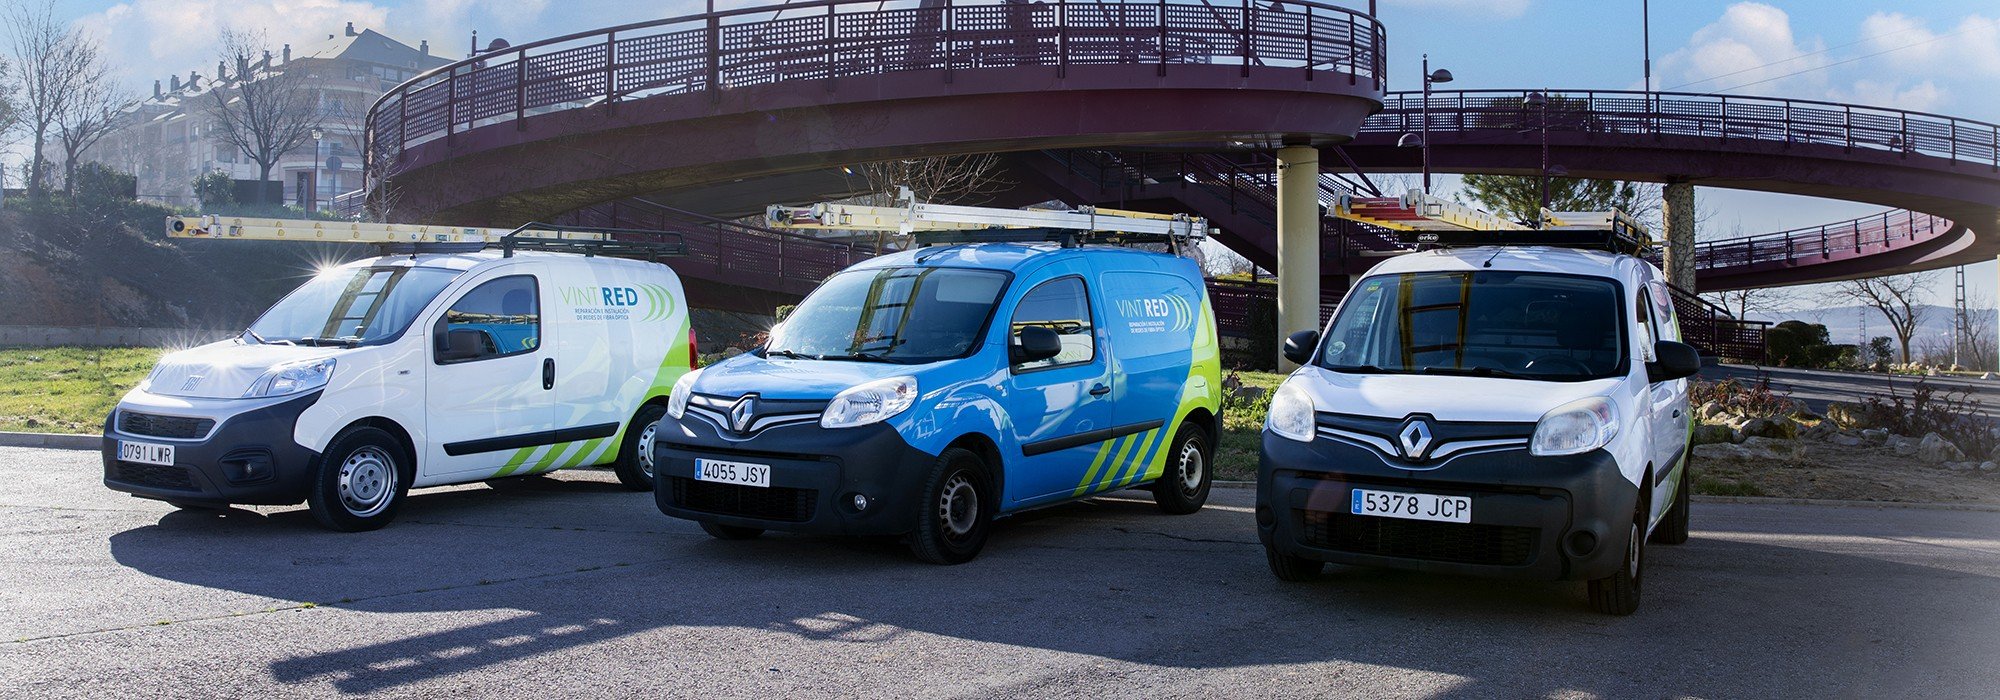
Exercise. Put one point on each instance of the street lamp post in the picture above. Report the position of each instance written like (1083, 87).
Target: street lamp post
(1540, 102)
(312, 200)
(1424, 144)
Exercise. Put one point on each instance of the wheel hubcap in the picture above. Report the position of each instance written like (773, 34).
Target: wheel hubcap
(1191, 467)
(1632, 552)
(367, 481)
(646, 448)
(958, 506)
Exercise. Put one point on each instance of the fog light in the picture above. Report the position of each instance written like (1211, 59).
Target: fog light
(860, 502)
(1264, 517)
(248, 466)
(1582, 543)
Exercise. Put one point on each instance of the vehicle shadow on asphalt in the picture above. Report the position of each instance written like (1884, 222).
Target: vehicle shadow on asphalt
(1106, 578)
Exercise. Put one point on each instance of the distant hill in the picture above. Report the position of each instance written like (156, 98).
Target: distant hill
(1843, 324)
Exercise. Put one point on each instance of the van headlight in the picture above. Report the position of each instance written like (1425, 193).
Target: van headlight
(872, 402)
(677, 401)
(1291, 414)
(1575, 427)
(292, 378)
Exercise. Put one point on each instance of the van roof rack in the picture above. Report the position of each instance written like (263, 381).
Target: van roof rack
(941, 224)
(1421, 219)
(399, 239)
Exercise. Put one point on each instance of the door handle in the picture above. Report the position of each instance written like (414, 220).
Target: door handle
(1099, 390)
(548, 373)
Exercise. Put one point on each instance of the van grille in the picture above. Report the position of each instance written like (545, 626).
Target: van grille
(777, 503)
(154, 425)
(156, 476)
(1458, 543)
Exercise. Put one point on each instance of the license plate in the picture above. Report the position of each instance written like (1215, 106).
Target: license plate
(739, 473)
(1413, 506)
(146, 453)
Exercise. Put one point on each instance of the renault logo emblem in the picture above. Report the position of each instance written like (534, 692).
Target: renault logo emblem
(1415, 438)
(743, 413)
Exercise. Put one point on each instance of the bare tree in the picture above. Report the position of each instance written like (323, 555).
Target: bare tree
(90, 114)
(1743, 302)
(50, 60)
(1899, 299)
(969, 180)
(1976, 339)
(266, 111)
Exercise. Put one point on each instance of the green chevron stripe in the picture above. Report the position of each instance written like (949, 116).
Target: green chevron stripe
(1124, 450)
(520, 457)
(1144, 465)
(588, 450)
(1103, 448)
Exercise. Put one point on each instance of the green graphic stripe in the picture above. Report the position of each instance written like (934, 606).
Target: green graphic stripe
(1118, 462)
(1145, 444)
(549, 459)
(1142, 467)
(520, 457)
(588, 450)
(1103, 448)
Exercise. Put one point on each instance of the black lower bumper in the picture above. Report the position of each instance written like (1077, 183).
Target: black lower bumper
(1546, 518)
(251, 459)
(815, 475)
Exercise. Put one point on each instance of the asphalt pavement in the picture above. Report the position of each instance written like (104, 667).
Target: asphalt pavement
(568, 586)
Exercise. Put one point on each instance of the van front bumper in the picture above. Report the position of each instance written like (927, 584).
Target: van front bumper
(815, 475)
(1542, 518)
(248, 457)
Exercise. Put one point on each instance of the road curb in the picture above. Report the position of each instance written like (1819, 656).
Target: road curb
(56, 441)
(1914, 505)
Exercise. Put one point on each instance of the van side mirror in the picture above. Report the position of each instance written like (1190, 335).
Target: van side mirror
(1675, 361)
(1033, 344)
(1299, 347)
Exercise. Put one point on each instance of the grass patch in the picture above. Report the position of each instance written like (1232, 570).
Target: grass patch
(1242, 421)
(67, 389)
(1718, 486)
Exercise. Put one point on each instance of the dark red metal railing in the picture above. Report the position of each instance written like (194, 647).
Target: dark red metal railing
(824, 39)
(1869, 234)
(731, 252)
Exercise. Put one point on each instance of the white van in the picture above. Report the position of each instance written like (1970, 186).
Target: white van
(412, 370)
(1515, 411)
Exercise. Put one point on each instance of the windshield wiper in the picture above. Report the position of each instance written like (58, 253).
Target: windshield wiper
(1360, 369)
(1475, 372)
(860, 357)
(788, 354)
(253, 336)
(320, 342)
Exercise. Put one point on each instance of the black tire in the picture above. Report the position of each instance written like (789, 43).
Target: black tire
(731, 532)
(1618, 594)
(1291, 568)
(1190, 473)
(635, 455)
(1673, 528)
(360, 481)
(955, 512)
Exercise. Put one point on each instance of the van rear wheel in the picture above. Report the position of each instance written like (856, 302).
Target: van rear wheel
(1183, 487)
(360, 481)
(955, 513)
(635, 455)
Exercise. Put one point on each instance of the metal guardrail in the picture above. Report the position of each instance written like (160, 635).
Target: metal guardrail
(715, 51)
(1711, 329)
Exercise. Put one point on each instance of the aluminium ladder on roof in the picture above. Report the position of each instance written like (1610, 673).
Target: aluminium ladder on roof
(582, 240)
(915, 217)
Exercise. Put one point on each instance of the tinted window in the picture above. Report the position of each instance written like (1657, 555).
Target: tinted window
(1064, 307)
(497, 318)
(352, 305)
(1540, 326)
(902, 314)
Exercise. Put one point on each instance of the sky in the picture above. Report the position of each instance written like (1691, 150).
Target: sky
(1939, 56)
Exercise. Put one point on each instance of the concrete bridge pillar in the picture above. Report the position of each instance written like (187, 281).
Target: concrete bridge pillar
(1298, 242)
(1679, 215)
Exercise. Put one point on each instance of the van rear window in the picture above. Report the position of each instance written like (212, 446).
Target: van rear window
(1489, 323)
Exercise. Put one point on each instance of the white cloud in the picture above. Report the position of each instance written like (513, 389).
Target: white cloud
(1504, 9)
(1972, 46)
(1751, 45)
(1925, 96)
(151, 39)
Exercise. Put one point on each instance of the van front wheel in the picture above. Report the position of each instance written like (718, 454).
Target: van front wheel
(360, 481)
(635, 456)
(955, 512)
(1184, 486)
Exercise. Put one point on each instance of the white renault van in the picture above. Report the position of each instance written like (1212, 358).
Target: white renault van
(407, 371)
(1514, 411)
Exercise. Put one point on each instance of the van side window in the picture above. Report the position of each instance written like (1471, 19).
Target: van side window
(1063, 306)
(498, 318)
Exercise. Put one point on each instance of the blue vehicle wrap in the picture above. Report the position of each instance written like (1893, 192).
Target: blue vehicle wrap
(1139, 360)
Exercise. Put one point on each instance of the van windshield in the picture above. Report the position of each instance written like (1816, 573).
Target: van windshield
(1486, 323)
(351, 306)
(898, 314)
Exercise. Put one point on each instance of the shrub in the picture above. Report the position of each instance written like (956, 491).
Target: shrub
(1951, 413)
(1748, 400)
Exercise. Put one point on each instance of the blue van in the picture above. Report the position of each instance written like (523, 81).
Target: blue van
(927, 392)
